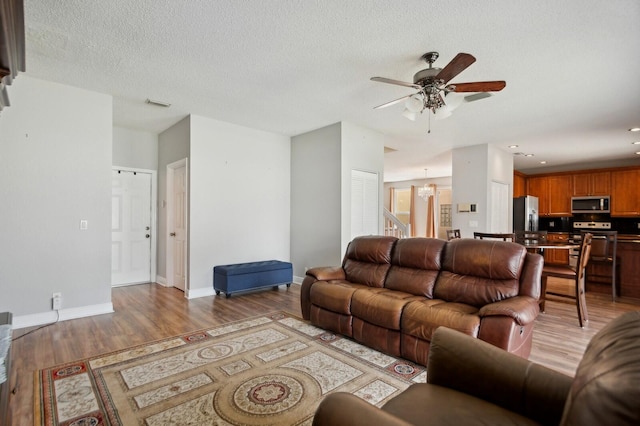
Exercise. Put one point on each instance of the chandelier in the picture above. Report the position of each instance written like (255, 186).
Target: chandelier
(427, 190)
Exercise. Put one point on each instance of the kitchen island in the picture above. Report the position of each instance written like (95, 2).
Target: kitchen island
(629, 265)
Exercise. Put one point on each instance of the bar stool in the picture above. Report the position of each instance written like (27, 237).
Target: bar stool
(604, 253)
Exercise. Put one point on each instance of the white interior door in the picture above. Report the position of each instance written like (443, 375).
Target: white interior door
(130, 227)
(364, 203)
(177, 223)
(499, 207)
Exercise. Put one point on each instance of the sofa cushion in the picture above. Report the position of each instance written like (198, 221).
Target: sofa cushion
(334, 295)
(415, 264)
(606, 387)
(367, 260)
(421, 318)
(382, 307)
(478, 272)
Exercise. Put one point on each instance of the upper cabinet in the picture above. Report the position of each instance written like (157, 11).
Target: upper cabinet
(519, 184)
(596, 183)
(624, 193)
(554, 194)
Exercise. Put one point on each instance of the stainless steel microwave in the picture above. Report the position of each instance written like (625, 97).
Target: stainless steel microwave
(590, 204)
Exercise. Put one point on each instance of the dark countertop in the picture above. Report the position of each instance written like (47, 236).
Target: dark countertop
(629, 238)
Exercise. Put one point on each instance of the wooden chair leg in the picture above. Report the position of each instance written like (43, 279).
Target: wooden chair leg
(581, 305)
(543, 292)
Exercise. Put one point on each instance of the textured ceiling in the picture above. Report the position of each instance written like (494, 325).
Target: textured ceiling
(290, 66)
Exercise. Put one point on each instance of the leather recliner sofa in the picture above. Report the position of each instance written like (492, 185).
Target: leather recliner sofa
(391, 294)
(470, 382)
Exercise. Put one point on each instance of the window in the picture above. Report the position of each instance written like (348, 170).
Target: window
(402, 205)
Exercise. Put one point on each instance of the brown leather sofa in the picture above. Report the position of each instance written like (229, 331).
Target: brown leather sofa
(391, 294)
(470, 382)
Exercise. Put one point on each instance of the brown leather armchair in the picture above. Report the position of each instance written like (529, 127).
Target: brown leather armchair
(470, 382)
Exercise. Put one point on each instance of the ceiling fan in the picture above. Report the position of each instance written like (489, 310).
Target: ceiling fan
(433, 89)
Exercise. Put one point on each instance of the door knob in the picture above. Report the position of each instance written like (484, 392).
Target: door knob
(147, 236)
(173, 234)
(147, 228)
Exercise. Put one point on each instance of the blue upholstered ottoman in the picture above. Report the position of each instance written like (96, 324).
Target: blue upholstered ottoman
(248, 276)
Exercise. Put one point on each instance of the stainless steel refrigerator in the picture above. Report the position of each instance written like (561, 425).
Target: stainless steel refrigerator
(525, 213)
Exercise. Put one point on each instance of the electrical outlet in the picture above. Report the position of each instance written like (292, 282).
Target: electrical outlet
(57, 301)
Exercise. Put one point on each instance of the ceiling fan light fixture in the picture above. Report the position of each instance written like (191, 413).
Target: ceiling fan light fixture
(453, 100)
(414, 103)
(442, 113)
(410, 114)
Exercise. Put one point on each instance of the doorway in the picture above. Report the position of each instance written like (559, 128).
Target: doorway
(132, 226)
(177, 224)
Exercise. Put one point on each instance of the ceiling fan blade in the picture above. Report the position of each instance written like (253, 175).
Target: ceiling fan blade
(456, 66)
(396, 82)
(393, 102)
(480, 86)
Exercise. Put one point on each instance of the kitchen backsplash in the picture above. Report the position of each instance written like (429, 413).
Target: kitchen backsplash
(564, 224)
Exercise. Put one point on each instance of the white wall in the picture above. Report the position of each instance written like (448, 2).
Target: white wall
(173, 145)
(321, 164)
(55, 169)
(361, 149)
(474, 168)
(315, 199)
(239, 197)
(135, 148)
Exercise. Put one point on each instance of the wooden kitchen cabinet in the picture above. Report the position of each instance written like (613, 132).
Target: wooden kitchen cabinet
(558, 256)
(519, 184)
(554, 194)
(586, 184)
(539, 187)
(624, 193)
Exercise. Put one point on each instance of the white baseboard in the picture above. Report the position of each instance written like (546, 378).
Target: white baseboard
(23, 321)
(161, 280)
(199, 292)
(297, 280)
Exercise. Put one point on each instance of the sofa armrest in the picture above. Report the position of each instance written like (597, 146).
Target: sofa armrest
(523, 309)
(326, 273)
(341, 408)
(322, 273)
(477, 368)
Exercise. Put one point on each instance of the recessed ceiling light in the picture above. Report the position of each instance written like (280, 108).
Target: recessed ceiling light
(543, 162)
(637, 152)
(635, 129)
(513, 146)
(528, 155)
(635, 143)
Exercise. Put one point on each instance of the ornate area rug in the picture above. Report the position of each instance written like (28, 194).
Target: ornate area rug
(273, 369)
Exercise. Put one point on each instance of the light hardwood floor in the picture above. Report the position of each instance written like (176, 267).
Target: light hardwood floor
(149, 312)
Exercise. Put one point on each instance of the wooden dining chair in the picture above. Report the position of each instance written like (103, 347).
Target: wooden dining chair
(508, 236)
(452, 234)
(569, 272)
